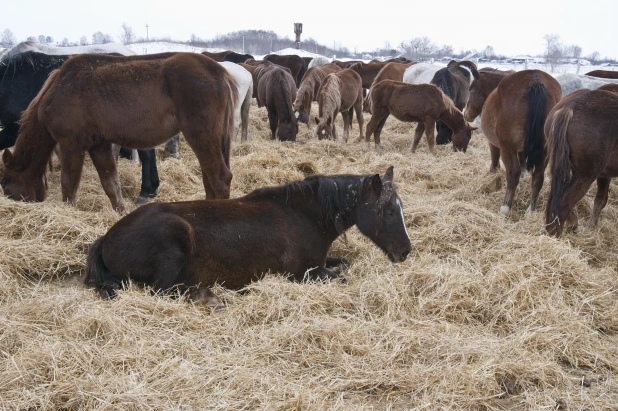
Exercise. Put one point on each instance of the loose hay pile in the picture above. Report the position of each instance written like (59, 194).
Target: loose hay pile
(487, 313)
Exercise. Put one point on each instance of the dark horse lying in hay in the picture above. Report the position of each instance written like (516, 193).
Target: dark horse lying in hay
(277, 91)
(138, 102)
(424, 103)
(512, 121)
(582, 144)
(296, 64)
(340, 91)
(308, 90)
(286, 229)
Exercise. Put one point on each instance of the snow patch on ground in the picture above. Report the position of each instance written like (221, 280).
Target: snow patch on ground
(164, 47)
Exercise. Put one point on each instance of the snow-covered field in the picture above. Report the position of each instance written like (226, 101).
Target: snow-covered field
(154, 47)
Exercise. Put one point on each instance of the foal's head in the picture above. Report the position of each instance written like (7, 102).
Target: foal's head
(380, 216)
(462, 137)
(324, 130)
(20, 184)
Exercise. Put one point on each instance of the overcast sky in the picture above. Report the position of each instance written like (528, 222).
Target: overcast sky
(511, 27)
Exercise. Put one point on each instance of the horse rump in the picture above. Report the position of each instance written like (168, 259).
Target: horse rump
(97, 273)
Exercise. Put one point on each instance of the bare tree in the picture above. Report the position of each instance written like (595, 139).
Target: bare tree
(7, 39)
(126, 35)
(553, 50)
(42, 39)
(594, 56)
(100, 38)
(65, 42)
(489, 52)
(49, 39)
(31, 38)
(419, 48)
(83, 41)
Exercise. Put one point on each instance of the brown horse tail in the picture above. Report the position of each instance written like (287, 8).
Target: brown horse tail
(534, 144)
(560, 161)
(228, 125)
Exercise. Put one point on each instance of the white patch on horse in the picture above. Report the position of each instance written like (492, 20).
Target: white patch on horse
(403, 221)
(297, 114)
(323, 132)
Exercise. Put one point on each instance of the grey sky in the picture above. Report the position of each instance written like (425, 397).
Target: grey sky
(511, 27)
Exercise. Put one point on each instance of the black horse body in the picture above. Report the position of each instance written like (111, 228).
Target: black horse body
(454, 81)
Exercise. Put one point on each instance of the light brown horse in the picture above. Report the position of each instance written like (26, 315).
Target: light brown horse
(423, 103)
(308, 90)
(340, 92)
(582, 143)
(512, 120)
(138, 102)
(390, 71)
(603, 74)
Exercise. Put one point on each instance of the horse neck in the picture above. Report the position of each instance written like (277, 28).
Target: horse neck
(34, 146)
(452, 117)
(490, 82)
(284, 105)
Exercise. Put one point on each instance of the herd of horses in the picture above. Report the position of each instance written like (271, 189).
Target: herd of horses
(93, 100)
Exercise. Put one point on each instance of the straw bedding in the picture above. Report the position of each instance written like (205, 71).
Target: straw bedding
(486, 313)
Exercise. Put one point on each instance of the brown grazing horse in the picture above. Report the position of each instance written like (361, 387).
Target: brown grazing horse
(423, 103)
(603, 74)
(390, 71)
(295, 63)
(277, 91)
(512, 121)
(287, 229)
(308, 90)
(138, 102)
(340, 92)
(582, 143)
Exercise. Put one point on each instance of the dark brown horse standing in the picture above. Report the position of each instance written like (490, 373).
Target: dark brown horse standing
(295, 63)
(138, 102)
(603, 74)
(369, 71)
(423, 103)
(308, 90)
(340, 92)
(228, 55)
(582, 144)
(512, 120)
(287, 229)
(277, 91)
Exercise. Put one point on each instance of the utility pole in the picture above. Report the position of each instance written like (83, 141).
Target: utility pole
(298, 29)
(146, 31)
(243, 44)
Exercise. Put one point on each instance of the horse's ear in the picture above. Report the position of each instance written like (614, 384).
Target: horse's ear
(7, 158)
(317, 122)
(451, 63)
(475, 73)
(389, 174)
(376, 185)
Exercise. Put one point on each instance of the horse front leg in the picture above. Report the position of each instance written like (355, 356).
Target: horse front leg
(150, 176)
(418, 133)
(72, 163)
(322, 274)
(600, 200)
(494, 152)
(513, 171)
(565, 216)
(103, 160)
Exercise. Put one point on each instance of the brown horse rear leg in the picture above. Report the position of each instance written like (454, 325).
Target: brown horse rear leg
(103, 160)
(538, 175)
(358, 107)
(513, 170)
(418, 133)
(72, 163)
(346, 125)
(273, 121)
(495, 158)
(522, 164)
(599, 201)
(430, 133)
(374, 121)
(576, 190)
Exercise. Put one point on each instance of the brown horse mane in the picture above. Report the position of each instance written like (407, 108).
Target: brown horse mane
(278, 80)
(305, 91)
(332, 96)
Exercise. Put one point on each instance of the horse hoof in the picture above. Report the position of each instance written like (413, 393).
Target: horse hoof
(505, 209)
(379, 148)
(528, 212)
(141, 200)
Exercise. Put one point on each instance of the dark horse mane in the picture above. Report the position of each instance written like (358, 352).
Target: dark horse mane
(444, 81)
(336, 195)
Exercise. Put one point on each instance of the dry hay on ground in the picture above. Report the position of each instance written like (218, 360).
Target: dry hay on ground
(487, 313)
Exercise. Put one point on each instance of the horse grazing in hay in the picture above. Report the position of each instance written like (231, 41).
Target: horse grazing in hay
(603, 74)
(308, 90)
(390, 71)
(423, 103)
(295, 63)
(454, 80)
(512, 120)
(287, 229)
(277, 91)
(139, 102)
(340, 92)
(582, 143)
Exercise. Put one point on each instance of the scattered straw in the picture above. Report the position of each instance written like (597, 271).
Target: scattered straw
(487, 313)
